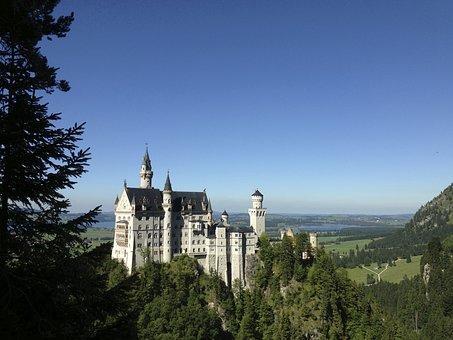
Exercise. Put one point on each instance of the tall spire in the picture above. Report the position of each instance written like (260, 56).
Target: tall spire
(146, 160)
(146, 173)
(167, 186)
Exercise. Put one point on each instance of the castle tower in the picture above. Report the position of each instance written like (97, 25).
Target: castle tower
(167, 232)
(224, 217)
(146, 173)
(257, 213)
(209, 211)
(313, 240)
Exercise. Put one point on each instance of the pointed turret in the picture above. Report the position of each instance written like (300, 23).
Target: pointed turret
(146, 173)
(224, 217)
(167, 186)
(146, 160)
(167, 205)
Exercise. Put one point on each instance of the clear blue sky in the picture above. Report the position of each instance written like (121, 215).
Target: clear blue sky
(327, 107)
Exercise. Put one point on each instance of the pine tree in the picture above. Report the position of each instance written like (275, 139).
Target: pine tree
(286, 259)
(37, 161)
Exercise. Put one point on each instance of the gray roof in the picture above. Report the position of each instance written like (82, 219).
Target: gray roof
(152, 199)
(236, 229)
(224, 213)
(167, 186)
(151, 196)
(146, 160)
(257, 193)
(182, 199)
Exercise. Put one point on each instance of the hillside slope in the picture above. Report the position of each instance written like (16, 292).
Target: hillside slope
(434, 219)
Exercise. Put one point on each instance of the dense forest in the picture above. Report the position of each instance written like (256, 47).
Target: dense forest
(423, 304)
(52, 285)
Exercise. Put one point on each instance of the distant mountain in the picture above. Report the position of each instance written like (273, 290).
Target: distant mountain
(434, 219)
(435, 214)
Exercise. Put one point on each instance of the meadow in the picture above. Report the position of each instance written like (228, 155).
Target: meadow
(343, 247)
(392, 274)
(98, 235)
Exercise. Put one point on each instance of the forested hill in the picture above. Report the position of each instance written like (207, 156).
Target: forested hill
(434, 219)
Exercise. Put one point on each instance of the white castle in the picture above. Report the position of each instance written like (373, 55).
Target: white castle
(156, 225)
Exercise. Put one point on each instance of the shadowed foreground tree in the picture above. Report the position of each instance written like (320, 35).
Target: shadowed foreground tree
(40, 274)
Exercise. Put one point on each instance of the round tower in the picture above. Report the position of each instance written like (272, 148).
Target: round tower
(257, 200)
(167, 230)
(224, 217)
(313, 240)
(146, 173)
(257, 213)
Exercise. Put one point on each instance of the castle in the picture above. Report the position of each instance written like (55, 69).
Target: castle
(156, 225)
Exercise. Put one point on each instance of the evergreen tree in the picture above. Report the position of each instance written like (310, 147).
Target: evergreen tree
(286, 259)
(37, 161)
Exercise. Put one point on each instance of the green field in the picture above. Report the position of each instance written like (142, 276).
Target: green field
(343, 247)
(327, 239)
(98, 235)
(391, 274)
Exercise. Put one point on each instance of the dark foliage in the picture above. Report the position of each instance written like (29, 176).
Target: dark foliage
(43, 276)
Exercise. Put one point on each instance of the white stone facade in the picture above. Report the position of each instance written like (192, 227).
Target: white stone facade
(156, 225)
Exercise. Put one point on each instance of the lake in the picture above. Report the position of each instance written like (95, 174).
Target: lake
(328, 227)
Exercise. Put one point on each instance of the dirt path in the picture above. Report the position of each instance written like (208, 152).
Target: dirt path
(379, 274)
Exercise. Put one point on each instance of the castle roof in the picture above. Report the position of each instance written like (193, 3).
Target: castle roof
(146, 160)
(225, 213)
(257, 193)
(152, 199)
(150, 195)
(181, 200)
(240, 229)
(167, 186)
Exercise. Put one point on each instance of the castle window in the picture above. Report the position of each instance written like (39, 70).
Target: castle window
(204, 250)
(149, 235)
(149, 244)
(139, 245)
